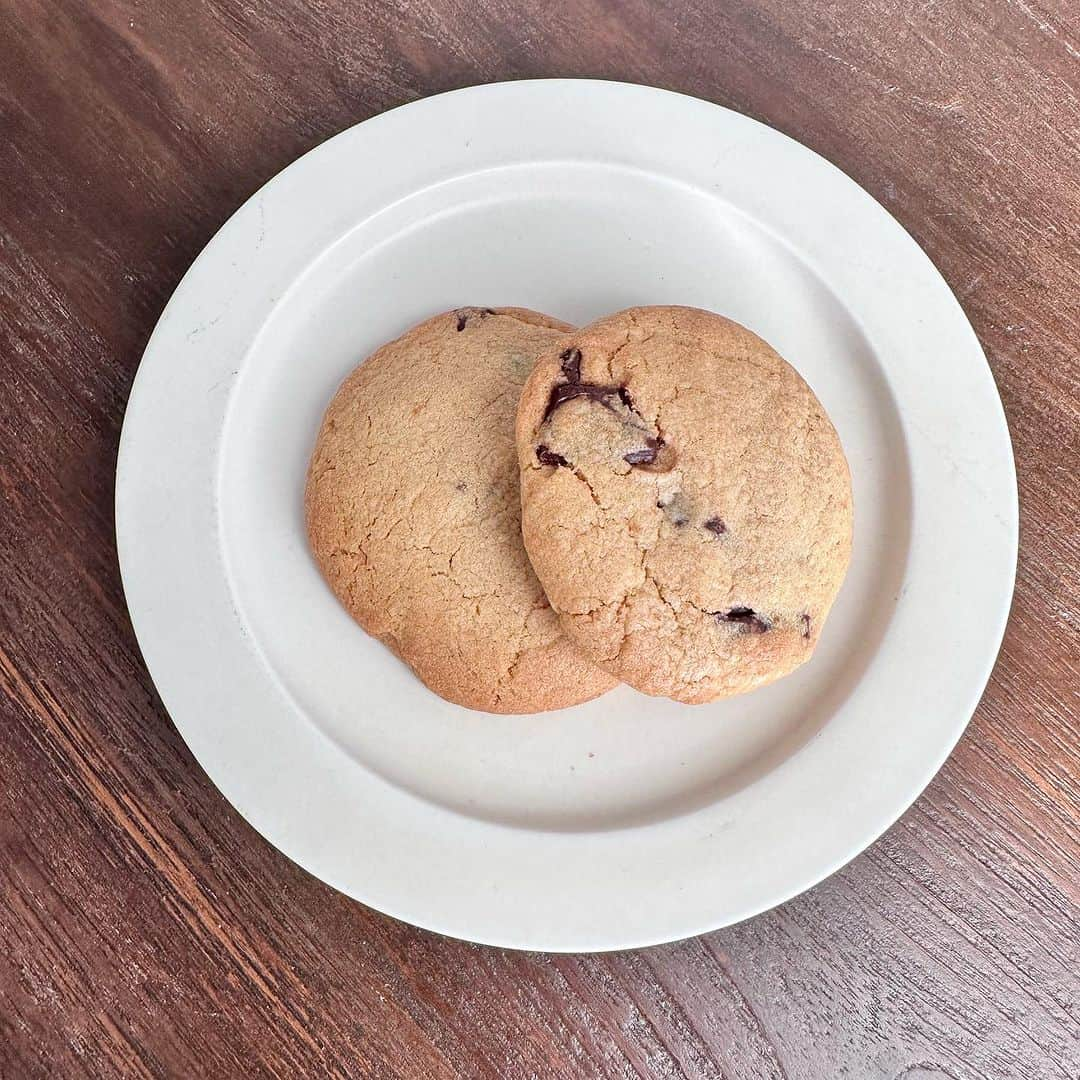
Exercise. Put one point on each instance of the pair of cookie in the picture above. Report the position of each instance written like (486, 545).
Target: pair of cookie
(527, 514)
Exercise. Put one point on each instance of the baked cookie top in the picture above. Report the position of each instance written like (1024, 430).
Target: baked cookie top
(413, 513)
(686, 502)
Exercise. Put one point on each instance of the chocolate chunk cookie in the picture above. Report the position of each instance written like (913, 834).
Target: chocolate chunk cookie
(686, 502)
(413, 513)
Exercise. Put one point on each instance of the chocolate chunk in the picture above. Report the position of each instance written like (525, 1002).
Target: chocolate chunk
(570, 363)
(653, 456)
(746, 618)
(466, 313)
(806, 625)
(570, 360)
(715, 526)
(647, 455)
(548, 457)
(567, 391)
(658, 457)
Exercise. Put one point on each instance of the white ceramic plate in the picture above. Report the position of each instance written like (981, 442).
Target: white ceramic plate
(630, 820)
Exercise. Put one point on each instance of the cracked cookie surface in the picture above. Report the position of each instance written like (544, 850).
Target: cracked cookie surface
(413, 513)
(686, 502)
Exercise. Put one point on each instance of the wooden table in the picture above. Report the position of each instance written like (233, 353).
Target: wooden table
(145, 929)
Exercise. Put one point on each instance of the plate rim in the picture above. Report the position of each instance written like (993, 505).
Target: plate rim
(146, 621)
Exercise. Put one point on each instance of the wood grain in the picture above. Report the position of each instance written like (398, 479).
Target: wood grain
(145, 929)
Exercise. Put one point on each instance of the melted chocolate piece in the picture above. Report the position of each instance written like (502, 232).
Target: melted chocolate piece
(547, 456)
(746, 618)
(571, 364)
(806, 625)
(715, 526)
(650, 457)
(567, 391)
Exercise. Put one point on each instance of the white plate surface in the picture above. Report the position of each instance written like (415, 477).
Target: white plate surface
(630, 820)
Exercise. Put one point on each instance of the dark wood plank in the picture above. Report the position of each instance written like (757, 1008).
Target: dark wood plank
(145, 929)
